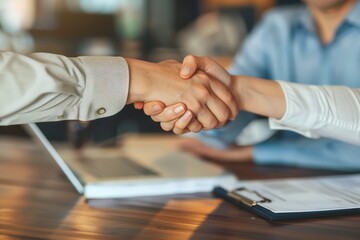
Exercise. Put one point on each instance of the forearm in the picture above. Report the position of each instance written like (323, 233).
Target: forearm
(49, 87)
(259, 96)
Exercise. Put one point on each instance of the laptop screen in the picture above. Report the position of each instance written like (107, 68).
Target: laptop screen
(83, 161)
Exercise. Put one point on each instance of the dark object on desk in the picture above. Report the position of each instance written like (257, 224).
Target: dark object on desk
(296, 198)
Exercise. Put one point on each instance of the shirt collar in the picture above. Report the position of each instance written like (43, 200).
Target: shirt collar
(354, 15)
(306, 19)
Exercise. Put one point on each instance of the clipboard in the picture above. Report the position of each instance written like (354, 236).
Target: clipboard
(258, 203)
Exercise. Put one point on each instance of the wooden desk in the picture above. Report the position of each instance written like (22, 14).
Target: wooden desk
(37, 202)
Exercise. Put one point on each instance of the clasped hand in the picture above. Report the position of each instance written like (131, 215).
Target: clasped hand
(191, 97)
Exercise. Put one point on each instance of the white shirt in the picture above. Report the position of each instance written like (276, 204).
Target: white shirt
(48, 87)
(321, 111)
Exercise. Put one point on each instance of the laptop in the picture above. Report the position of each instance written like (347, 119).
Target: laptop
(145, 166)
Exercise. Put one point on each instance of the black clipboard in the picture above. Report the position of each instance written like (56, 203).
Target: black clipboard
(255, 207)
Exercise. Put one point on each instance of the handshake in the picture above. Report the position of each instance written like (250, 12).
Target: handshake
(196, 95)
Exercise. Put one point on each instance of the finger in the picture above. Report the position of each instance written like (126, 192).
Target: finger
(193, 63)
(153, 108)
(170, 113)
(225, 95)
(207, 118)
(168, 126)
(183, 131)
(139, 105)
(194, 126)
(188, 67)
(219, 110)
(183, 122)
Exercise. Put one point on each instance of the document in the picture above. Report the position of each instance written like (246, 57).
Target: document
(297, 197)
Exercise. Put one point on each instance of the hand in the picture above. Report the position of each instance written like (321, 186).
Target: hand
(235, 154)
(177, 116)
(255, 95)
(208, 99)
(190, 65)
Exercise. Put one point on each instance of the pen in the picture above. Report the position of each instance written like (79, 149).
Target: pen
(221, 192)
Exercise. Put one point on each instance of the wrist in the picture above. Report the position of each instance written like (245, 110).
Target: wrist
(240, 91)
(139, 80)
(259, 96)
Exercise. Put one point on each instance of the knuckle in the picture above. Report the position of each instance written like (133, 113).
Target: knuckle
(224, 116)
(196, 107)
(228, 98)
(204, 78)
(203, 92)
(223, 121)
(211, 124)
(169, 114)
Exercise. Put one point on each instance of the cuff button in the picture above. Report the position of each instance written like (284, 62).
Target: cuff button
(101, 111)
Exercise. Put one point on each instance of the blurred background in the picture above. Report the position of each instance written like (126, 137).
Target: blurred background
(152, 30)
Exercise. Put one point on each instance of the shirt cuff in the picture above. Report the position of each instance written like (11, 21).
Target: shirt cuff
(107, 86)
(301, 110)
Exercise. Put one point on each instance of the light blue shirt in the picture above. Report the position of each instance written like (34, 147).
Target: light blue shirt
(285, 46)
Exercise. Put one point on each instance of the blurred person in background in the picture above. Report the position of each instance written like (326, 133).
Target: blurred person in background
(316, 45)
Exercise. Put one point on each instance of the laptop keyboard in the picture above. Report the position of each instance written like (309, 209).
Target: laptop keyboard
(114, 167)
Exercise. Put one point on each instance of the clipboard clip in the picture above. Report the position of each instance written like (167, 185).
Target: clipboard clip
(246, 200)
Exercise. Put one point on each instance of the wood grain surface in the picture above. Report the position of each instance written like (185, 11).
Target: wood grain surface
(37, 202)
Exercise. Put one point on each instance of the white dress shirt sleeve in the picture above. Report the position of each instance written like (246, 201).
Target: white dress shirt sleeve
(48, 87)
(321, 111)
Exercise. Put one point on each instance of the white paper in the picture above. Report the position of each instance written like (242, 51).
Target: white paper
(308, 194)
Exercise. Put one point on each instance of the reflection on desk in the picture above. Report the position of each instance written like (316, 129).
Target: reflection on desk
(37, 202)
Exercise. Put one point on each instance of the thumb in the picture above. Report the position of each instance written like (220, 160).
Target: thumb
(153, 108)
(192, 63)
(188, 67)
